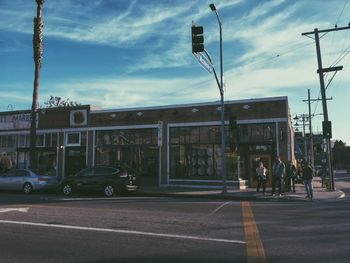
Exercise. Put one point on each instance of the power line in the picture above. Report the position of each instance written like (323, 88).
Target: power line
(340, 58)
(341, 13)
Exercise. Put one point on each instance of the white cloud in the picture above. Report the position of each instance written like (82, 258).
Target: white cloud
(120, 93)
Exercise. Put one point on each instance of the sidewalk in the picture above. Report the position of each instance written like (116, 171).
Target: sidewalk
(247, 194)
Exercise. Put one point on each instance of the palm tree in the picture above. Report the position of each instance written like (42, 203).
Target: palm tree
(38, 54)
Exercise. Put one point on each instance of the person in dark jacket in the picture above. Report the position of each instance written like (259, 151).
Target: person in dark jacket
(278, 174)
(308, 173)
(291, 174)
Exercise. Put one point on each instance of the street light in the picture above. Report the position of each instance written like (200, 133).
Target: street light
(223, 146)
(304, 118)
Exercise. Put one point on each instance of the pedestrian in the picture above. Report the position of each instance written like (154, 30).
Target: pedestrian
(278, 173)
(308, 173)
(261, 174)
(291, 174)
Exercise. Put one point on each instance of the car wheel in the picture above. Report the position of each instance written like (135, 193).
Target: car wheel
(109, 190)
(66, 189)
(27, 188)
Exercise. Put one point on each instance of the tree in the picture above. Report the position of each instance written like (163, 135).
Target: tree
(55, 102)
(38, 54)
(340, 154)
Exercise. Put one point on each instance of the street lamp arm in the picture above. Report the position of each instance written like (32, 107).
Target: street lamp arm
(211, 62)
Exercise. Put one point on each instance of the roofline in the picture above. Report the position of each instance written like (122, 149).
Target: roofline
(284, 98)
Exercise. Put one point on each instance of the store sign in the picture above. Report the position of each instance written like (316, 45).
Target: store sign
(15, 121)
(78, 118)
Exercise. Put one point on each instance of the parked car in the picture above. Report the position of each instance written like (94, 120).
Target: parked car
(26, 180)
(108, 180)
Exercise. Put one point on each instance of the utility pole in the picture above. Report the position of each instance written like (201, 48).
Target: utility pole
(321, 72)
(311, 141)
(311, 148)
(303, 119)
(305, 145)
(38, 54)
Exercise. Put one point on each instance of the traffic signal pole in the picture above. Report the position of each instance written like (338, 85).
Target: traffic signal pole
(223, 138)
(321, 72)
(197, 47)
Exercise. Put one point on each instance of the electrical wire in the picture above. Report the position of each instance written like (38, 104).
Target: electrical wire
(341, 13)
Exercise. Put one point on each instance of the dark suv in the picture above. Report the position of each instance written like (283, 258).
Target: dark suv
(109, 180)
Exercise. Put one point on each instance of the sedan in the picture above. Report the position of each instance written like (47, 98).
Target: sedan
(26, 180)
(108, 180)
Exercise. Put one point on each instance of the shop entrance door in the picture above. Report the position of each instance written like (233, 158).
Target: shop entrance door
(253, 164)
(75, 160)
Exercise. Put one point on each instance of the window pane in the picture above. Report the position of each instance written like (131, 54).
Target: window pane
(73, 138)
(40, 140)
(83, 139)
(54, 140)
(48, 140)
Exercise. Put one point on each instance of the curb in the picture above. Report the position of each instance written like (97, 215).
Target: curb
(239, 196)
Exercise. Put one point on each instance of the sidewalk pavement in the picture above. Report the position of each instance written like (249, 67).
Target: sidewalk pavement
(320, 193)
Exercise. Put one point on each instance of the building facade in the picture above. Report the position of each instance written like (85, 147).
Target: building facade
(176, 145)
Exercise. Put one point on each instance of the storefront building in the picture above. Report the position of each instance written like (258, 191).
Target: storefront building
(175, 145)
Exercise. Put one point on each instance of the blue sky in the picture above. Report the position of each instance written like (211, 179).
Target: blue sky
(124, 53)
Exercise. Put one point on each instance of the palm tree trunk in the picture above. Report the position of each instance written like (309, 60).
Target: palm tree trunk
(38, 54)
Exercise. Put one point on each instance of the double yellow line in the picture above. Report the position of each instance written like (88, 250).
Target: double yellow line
(255, 248)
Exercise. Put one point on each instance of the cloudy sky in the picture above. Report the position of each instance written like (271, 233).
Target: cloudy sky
(135, 53)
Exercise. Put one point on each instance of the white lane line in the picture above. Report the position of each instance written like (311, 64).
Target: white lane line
(221, 206)
(120, 231)
(108, 198)
(20, 209)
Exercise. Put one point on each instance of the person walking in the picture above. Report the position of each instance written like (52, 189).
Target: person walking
(261, 174)
(308, 173)
(291, 174)
(278, 173)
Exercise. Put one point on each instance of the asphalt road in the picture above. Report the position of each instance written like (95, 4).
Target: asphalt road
(48, 228)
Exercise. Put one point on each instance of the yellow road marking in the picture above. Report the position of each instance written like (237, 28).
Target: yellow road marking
(255, 248)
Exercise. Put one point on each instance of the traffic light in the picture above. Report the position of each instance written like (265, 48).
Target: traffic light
(197, 39)
(327, 129)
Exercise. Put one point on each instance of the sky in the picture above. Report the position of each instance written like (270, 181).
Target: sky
(137, 53)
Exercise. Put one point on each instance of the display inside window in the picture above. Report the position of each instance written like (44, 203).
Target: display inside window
(195, 153)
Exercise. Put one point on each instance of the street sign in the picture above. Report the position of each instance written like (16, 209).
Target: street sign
(205, 63)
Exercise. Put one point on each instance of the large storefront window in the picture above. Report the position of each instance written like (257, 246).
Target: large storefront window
(195, 153)
(7, 141)
(136, 149)
(46, 152)
(257, 132)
